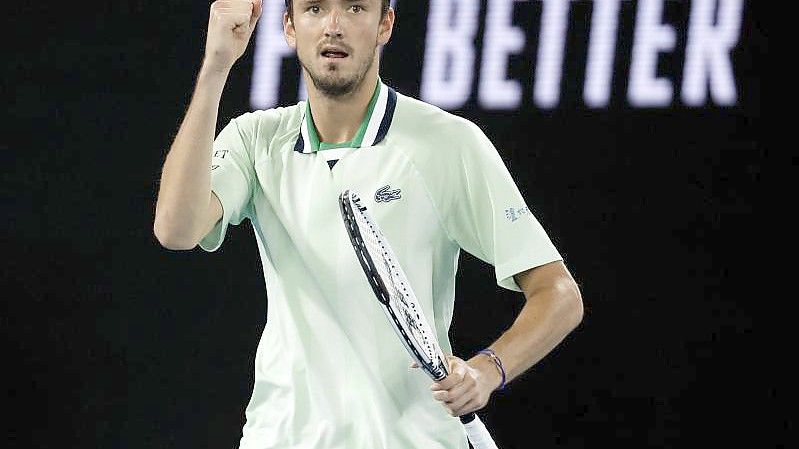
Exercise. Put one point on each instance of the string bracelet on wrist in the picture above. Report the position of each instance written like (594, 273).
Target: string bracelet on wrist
(491, 354)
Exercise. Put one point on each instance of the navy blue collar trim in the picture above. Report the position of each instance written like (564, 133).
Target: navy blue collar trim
(385, 124)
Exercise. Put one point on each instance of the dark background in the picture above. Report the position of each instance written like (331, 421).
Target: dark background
(115, 342)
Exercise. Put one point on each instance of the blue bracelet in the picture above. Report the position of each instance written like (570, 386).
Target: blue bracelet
(497, 362)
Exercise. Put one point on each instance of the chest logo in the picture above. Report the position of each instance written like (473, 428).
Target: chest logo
(385, 194)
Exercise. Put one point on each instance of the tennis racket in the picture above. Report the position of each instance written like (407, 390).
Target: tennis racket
(393, 291)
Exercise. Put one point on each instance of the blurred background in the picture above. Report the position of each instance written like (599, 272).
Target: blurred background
(631, 127)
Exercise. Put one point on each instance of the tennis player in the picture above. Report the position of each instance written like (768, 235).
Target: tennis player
(329, 371)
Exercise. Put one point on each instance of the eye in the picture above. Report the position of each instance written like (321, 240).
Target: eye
(314, 9)
(357, 8)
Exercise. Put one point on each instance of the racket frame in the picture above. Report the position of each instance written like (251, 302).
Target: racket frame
(436, 371)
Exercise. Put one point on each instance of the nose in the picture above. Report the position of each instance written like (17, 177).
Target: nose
(333, 26)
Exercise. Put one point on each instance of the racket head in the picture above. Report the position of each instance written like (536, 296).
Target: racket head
(391, 287)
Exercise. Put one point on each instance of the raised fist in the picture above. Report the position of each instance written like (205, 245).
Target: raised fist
(230, 25)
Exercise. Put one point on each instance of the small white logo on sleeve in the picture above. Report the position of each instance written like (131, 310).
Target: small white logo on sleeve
(514, 214)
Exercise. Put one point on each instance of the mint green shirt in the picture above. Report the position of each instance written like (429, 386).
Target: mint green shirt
(330, 373)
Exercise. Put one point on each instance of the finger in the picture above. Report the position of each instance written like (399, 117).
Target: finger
(242, 4)
(463, 389)
(414, 365)
(458, 403)
(455, 377)
(235, 8)
(245, 8)
(453, 362)
(257, 9)
(448, 382)
(452, 397)
(234, 18)
(455, 397)
(469, 406)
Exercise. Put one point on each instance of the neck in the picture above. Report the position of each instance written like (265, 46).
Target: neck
(337, 119)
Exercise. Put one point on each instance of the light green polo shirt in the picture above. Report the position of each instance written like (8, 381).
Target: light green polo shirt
(330, 373)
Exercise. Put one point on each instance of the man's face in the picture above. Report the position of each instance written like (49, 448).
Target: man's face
(336, 40)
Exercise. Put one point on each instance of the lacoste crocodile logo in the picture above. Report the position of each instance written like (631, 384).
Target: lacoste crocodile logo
(385, 194)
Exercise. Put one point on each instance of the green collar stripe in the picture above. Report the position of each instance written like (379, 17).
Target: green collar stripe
(356, 142)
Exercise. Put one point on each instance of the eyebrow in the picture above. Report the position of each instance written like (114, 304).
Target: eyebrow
(314, 2)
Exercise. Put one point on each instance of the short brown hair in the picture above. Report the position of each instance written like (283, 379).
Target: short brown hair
(383, 9)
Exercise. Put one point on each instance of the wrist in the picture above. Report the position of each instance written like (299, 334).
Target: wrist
(210, 68)
(492, 366)
(211, 79)
(491, 372)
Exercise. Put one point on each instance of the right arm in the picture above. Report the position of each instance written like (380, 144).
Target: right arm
(186, 208)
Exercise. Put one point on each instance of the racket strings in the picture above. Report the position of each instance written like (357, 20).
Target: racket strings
(401, 298)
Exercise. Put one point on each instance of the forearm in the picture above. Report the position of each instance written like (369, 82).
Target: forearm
(548, 316)
(185, 188)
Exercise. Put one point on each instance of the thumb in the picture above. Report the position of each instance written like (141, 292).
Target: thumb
(257, 9)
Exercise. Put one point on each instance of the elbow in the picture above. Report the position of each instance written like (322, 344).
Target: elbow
(574, 309)
(171, 240)
(567, 303)
(175, 245)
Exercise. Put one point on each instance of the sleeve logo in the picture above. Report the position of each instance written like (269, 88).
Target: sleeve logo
(514, 214)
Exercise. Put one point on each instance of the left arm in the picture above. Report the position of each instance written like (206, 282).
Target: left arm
(552, 310)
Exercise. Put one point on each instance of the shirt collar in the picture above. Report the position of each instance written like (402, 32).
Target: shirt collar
(372, 131)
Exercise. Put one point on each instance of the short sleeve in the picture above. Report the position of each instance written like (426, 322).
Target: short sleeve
(489, 218)
(232, 177)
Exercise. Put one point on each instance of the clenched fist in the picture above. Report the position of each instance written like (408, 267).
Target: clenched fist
(230, 25)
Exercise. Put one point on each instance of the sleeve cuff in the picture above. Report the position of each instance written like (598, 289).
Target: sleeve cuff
(507, 270)
(213, 240)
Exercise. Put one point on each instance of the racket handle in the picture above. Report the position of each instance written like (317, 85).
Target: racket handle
(477, 432)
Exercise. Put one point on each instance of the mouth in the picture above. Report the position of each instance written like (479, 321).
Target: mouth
(334, 53)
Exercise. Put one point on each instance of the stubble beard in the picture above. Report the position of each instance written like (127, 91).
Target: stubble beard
(334, 86)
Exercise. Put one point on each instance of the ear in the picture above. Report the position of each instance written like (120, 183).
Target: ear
(288, 31)
(386, 27)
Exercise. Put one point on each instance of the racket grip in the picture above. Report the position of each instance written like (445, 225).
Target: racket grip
(476, 432)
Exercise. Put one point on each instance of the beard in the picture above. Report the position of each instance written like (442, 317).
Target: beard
(333, 84)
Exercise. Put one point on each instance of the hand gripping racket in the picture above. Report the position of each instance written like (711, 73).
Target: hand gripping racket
(392, 289)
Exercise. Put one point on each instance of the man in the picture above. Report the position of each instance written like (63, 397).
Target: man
(329, 370)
